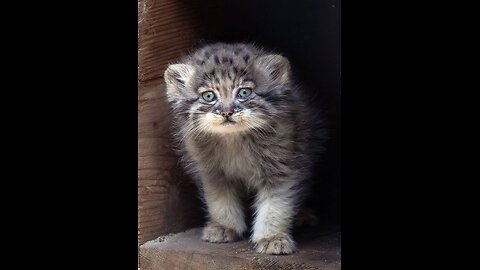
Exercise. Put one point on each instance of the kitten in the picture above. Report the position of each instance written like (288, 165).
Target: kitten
(241, 125)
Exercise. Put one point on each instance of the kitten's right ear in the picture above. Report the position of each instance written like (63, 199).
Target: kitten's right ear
(276, 66)
(177, 78)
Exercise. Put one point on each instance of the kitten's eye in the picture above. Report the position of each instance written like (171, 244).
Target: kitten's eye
(244, 92)
(209, 96)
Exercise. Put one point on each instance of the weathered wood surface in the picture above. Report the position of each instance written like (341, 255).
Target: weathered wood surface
(186, 251)
(167, 200)
(162, 35)
(166, 28)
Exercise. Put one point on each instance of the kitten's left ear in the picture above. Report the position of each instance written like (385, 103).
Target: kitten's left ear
(276, 66)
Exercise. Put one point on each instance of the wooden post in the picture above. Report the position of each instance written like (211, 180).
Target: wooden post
(167, 200)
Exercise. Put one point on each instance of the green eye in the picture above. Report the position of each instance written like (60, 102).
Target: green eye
(208, 96)
(244, 92)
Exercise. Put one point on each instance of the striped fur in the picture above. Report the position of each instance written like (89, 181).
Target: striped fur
(268, 150)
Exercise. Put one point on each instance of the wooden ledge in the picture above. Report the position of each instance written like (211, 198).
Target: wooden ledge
(185, 250)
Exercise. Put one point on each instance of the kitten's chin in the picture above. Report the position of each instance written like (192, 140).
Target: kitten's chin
(228, 127)
(219, 125)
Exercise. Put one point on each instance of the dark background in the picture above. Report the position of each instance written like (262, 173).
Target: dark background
(308, 34)
(71, 122)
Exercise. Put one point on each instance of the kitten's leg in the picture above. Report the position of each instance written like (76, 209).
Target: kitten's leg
(275, 209)
(227, 222)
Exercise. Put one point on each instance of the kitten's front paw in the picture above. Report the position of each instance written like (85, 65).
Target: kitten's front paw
(275, 245)
(216, 233)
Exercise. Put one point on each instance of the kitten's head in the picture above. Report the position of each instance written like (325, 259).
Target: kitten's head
(228, 88)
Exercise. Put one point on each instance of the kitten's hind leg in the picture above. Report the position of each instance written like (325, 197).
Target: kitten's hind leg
(225, 210)
(275, 209)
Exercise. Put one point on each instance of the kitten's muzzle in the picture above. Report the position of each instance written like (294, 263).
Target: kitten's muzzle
(227, 111)
(227, 116)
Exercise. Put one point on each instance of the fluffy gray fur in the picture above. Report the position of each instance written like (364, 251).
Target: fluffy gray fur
(262, 143)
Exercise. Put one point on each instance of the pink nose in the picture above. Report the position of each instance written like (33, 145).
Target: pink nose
(226, 114)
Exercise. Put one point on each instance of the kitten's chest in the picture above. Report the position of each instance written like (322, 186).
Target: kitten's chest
(233, 156)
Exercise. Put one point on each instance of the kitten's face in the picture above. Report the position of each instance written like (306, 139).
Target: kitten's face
(228, 107)
(226, 90)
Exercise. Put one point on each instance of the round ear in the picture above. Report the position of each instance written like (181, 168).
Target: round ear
(276, 67)
(177, 78)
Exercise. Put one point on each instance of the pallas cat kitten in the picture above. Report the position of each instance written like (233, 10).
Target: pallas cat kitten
(242, 126)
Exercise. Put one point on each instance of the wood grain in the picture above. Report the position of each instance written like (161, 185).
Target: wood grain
(167, 28)
(186, 251)
(167, 200)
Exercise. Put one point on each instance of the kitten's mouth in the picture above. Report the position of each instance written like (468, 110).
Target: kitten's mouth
(228, 122)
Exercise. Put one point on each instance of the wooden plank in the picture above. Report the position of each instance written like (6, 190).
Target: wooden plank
(155, 175)
(151, 212)
(149, 205)
(154, 107)
(146, 216)
(153, 197)
(154, 119)
(166, 29)
(154, 89)
(154, 147)
(153, 190)
(152, 223)
(149, 183)
(157, 162)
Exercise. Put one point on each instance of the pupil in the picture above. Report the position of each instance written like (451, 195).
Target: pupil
(208, 96)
